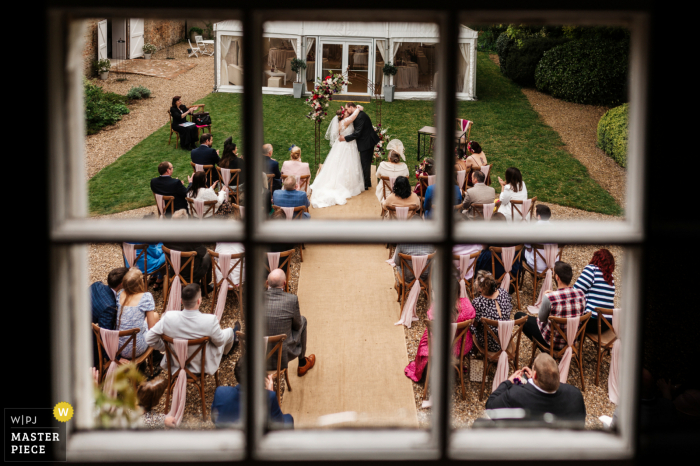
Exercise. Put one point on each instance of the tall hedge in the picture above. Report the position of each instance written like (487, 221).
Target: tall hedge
(522, 61)
(612, 133)
(585, 72)
(504, 44)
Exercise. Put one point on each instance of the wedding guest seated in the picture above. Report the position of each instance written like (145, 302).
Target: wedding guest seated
(428, 201)
(104, 304)
(393, 167)
(231, 160)
(494, 303)
(479, 194)
(475, 160)
(402, 195)
(290, 197)
(156, 259)
(598, 285)
(460, 160)
(136, 309)
(513, 188)
(226, 407)
(231, 248)
(565, 302)
(295, 167)
(271, 166)
(166, 185)
(539, 391)
(202, 262)
(462, 311)
(149, 393)
(426, 168)
(191, 324)
(412, 250)
(188, 134)
(205, 154)
(543, 214)
(198, 190)
(284, 317)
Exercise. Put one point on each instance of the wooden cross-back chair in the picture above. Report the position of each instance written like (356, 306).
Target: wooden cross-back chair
(457, 363)
(470, 284)
(517, 206)
(236, 210)
(391, 212)
(403, 288)
(278, 347)
(423, 187)
(555, 324)
(487, 181)
(538, 256)
(302, 182)
(386, 188)
(603, 339)
(168, 202)
(285, 259)
(270, 180)
(237, 260)
(141, 250)
(104, 360)
(466, 134)
(512, 349)
(514, 277)
(234, 182)
(196, 379)
(209, 206)
(208, 170)
(298, 214)
(477, 210)
(186, 260)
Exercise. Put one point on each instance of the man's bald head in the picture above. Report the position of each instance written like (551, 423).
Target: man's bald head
(267, 149)
(546, 372)
(276, 279)
(290, 183)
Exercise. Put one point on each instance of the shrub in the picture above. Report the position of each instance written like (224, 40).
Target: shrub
(102, 108)
(101, 66)
(389, 69)
(488, 35)
(612, 134)
(522, 61)
(504, 44)
(585, 72)
(149, 48)
(138, 92)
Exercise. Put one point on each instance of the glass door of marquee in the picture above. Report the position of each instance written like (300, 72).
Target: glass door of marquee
(352, 58)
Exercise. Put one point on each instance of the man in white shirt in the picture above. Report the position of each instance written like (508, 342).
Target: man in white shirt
(543, 214)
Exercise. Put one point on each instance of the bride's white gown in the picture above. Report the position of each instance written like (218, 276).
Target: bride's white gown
(341, 176)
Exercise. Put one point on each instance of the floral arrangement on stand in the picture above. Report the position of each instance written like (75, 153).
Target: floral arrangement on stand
(323, 94)
(384, 138)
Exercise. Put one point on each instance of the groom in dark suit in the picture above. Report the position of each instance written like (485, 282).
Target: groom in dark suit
(366, 138)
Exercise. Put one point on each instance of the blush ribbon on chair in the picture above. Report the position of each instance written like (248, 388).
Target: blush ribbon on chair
(225, 175)
(461, 175)
(392, 180)
(408, 314)
(273, 260)
(465, 262)
(160, 204)
(614, 376)
(401, 213)
(288, 212)
(241, 209)
(177, 410)
(130, 254)
(488, 210)
(571, 329)
(199, 208)
(110, 340)
(174, 298)
(505, 328)
(550, 257)
(198, 167)
(507, 255)
(527, 203)
(431, 180)
(224, 263)
(485, 170)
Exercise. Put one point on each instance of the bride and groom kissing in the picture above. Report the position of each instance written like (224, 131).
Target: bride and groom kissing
(347, 168)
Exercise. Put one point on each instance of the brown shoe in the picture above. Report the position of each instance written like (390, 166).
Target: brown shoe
(310, 362)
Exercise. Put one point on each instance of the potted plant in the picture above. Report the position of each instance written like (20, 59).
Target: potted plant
(195, 31)
(389, 70)
(297, 65)
(102, 68)
(148, 50)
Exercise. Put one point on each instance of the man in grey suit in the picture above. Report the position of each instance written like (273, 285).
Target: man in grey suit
(283, 317)
(479, 194)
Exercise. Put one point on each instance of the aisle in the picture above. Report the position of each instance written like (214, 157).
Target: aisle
(347, 295)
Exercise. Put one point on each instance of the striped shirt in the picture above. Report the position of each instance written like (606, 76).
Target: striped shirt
(598, 292)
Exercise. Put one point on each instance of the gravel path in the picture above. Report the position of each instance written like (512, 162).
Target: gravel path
(146, 116)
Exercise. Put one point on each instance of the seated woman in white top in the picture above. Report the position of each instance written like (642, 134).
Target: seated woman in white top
(512, 189)
(296, 167)
(231, 248)
(199, 190)
(393, 168)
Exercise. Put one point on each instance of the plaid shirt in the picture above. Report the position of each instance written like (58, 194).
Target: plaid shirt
(567, 302)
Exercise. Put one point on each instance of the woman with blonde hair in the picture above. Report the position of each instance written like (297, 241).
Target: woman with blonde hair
(295, 167)
(393, 167)
(135, 308)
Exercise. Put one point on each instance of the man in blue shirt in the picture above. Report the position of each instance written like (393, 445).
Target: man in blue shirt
(428, 202)
(290, 197)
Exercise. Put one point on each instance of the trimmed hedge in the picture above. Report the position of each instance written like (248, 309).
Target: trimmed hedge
(504, 45)
(102, 108)
(522, 61)
(585, 72)
(612, 133)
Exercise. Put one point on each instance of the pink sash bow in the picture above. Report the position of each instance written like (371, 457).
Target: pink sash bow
(225, 175)
(110, 340)
(273, 260)
(199, 208)
(505, 328)
(431, 180)
(550, 257)
(408, 313)
(174, 297)
(129, 254)
(488, 210)
(224, 265)
(571, 329)
(288, 212)
(614, 375)
(402, 213)
(485, 170)
(241, 209)
(177, 410)
(461, 175)
(526, 208)
(465, 263)
(160, 204)
(198, 168)
(507, 255)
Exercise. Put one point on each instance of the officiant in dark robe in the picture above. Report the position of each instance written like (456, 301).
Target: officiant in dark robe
(188, 134)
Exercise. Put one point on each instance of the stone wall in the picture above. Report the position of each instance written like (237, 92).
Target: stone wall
(90, 50)
(163, 33)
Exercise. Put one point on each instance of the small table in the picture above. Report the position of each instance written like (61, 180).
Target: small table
(430, 132)
(281, 74)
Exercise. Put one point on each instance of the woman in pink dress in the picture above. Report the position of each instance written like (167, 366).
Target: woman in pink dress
(463, 311)
(296, 167)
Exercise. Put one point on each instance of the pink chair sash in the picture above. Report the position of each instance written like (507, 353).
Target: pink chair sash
(465, 124)
(199, 208)
(289, 212)
(273, 260)
(130, 254)
(392, 180)
(571, 329)
(160, 204)
(507, 255)
(485, 170)
(401, 213)
(175, 298)
(550, 257)
(225, 175)
(241, 209)
(461, 175)
(505, 329)
(110, 340)
(526, 208)
(431, 180)
(198, 167)
(465, 262)
(177, 410)
(408, 314)
(614, 375)
(224, 265)
(488, 210)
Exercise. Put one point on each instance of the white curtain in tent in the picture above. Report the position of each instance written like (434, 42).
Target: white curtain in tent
(225, 44)
(394, 49)
(464, 48)
(309, 43)
(381, 45)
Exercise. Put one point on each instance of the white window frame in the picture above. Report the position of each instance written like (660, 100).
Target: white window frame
(69, 228)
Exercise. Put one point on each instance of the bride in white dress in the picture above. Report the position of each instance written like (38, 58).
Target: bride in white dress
(341, 175)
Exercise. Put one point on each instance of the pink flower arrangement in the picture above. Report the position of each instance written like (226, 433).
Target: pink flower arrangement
(322, 94)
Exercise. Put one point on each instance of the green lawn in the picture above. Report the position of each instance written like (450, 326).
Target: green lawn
(506, 126)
